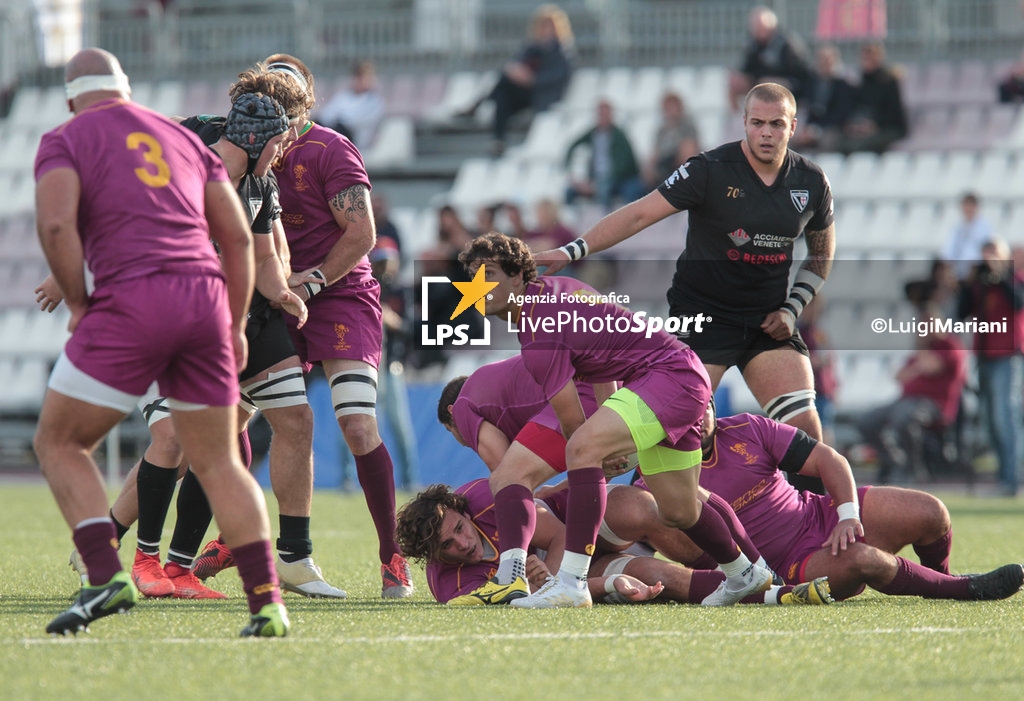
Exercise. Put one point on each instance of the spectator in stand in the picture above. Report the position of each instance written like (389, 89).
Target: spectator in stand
(537, 77)
(772, 55)
(675, 142)
(1011, 87)
(823, 366)
(932, 381)
(879, 117)
(829, 101)
(941, 289)
(602, 164)
(357, 110)
(513, 219)
(995, 293)
(965, 240)
(550, 231)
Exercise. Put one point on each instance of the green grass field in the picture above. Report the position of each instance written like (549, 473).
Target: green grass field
(872, 647)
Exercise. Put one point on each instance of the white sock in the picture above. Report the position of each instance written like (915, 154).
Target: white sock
(771, 596)
(574, 567)
(512, 564)
(737, 567)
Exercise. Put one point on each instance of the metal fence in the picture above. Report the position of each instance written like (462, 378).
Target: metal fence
(214, 38)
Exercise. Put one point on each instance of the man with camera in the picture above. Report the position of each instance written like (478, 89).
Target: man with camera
(994, 293)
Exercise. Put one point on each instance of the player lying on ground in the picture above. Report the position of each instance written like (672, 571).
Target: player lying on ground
(455, 533)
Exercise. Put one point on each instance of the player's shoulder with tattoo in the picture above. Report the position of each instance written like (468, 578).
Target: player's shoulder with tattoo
(353, 201)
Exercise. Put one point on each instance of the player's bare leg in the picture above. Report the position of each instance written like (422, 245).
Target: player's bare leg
(208, 437)
(894, 518)
(68, 432)
(374, 468)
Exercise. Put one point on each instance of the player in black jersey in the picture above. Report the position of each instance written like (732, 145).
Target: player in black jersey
(252, 136)
(748, 201)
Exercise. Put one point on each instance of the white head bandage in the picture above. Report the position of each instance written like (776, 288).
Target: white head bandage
(117, 82)
(281, 67)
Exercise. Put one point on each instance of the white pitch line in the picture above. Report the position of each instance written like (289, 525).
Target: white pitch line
(362, 640)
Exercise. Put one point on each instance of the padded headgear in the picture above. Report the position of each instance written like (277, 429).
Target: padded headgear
(253, 121)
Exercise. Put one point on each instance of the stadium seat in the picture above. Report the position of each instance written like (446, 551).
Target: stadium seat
(18, 192)
(683, 81)
(892, 173)
(865, 380)
(996, 176)
(506, 182)
(968, 127)
(852, 219)
(24, 382)
(935, 89)
(920, 233)
(928, 131)
(25, 106)
(542, 180)
(18, 149)
(1000, 125)
(641, 130)
(461, 92)
(884, 236)
(1012, 226)
(394, 144)
(584, 87)
(711, 90)
(939, 175)
(832, 164)
(647, 90)
(617, 87)
(975, 83)
(473, 178)
(860, 175)
(547, 140)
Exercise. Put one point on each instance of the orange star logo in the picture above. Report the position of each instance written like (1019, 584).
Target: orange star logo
(474, 293)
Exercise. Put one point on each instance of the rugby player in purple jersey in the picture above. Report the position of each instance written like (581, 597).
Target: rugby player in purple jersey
(136, 198)
(747, 201)
(328, 221)
(503, 415)
(455, 532)
(248, 141)
(745, 458)
(656, 414)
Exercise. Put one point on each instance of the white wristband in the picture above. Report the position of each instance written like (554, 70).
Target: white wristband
(850, 509)
(576, 250)
(609, 584)
(805, 287)
(313, 288)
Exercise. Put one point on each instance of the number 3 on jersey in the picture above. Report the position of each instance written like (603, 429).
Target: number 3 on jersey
(153, 156)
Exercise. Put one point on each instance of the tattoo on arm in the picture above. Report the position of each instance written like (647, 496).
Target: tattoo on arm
(351, 202)
(821, 246)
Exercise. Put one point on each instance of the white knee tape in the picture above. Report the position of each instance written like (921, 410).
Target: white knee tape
(786, 406)
(279, 389)
(617, 566)
(354, 392)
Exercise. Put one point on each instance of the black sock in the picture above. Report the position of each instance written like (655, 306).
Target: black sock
(120, 527)
(294, 543)
(156, 487)
(194, 516)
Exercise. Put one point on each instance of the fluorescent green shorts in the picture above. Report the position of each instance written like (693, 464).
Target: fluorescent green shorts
(647, 433)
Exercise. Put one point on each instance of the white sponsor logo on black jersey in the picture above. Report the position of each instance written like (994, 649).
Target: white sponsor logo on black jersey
(679, 172)
(255, 203)
(799, 198)
(739, 237)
